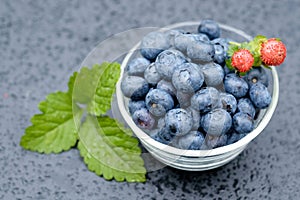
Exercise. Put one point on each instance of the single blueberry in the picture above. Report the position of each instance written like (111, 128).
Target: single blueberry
(166, 86)
(257, 75)
(201, 52)
(167, 61)
(143, 119)
(246, 106)
(196, 117)
(260, 95)
(224, 43)
(154, 43)
(210, 28)
(137, 66)
(187, 78)
(134, 87)
(191, 141)
(178, 121)
(213, 74)
(136, 105)
(214, 142)
(151, 75)
(220, 54)
(216, 122)
(184, 99)
(228, 102)
(163, 136)
(234, 137)
(242, 123)
(158, 102)
(235, 85)
(205, 100)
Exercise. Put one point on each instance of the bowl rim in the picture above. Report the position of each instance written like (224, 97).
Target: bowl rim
(144, 137)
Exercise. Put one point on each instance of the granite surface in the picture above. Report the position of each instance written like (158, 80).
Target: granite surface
(43, 42)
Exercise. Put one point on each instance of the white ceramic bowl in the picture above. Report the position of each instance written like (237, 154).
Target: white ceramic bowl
(199, 160)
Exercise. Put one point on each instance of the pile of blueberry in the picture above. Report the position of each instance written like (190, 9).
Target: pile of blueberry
(182, 93)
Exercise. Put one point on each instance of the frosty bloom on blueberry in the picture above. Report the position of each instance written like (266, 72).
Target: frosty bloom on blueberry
(199, 90)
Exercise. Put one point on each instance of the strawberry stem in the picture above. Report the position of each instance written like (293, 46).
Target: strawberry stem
(235, 43)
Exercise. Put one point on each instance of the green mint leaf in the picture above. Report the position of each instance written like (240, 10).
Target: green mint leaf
(54, 129)
(101, 101)
(110, 150)
(86, 83)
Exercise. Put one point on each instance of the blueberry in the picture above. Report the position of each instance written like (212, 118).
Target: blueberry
(246, 106)
(154, 43)
(260, 95)
(187, 78)
(227, 70)
(191, 141)
(136, 105)
(210, 28)
(234, 137)
(163, 136)
(213, 74)
(201, 52)
(151, 75)
(184, 99)
(200, 37)
(216, 122)
(178, 121)
(224, 42)
(143, 119)
(166, 86)
(235, 85)
(158, 102)
(182, 41)
(205, 100)
(134, 87)
(196, 117)
(257, 75)
(220, 54)
(137, 66)
(172, 34)
(161, 122)
(228, 102)
(167, 61)
(214, 142)
(242, 123)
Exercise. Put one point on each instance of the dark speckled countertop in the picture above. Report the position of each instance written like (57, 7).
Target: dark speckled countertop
(43, 42)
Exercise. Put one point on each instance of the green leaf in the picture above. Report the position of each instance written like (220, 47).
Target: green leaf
(101, 101)
(53, 130)
(110, 150)
(86, 82)
(254, 47)
(233, 47)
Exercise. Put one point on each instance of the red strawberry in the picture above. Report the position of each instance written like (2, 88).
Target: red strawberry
(273, 52)
(242, 60)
